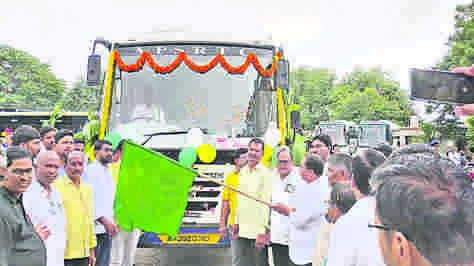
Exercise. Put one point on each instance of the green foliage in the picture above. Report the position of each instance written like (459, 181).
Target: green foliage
(82, 97)
(461, 53)
(429, 132)
(55, 115)
(90, 131)
(371, 94)
(27, 83)
(311, 88)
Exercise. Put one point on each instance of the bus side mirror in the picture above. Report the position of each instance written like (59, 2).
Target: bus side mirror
(283, 74)
(93, 70)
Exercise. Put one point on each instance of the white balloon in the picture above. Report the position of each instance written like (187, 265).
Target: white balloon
(194, 138)
(272, 136)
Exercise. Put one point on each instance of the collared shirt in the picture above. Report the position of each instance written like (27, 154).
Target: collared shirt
(42, 206)
(352, 242)
(280, 224)
(252, 216)
(310, 202)
(227, 194)
(19, 243)
(79, 207)
(103, 188)
(322, 244)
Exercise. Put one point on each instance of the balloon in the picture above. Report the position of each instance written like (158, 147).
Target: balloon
(114, 138)
(206, 153)
(267, 155)
(187, 156)
(272, 136)
(194, 137)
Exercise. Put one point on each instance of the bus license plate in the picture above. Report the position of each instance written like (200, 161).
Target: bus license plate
(191, 239)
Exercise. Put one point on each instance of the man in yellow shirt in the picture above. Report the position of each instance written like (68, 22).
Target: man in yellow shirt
(252, 218)
(79, 207)
(229, 198)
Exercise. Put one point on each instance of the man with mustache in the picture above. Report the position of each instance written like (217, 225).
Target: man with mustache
(25, 246)
(47, 134)
(251, 222)
(43, 203)
(78, 204)
(103, 186)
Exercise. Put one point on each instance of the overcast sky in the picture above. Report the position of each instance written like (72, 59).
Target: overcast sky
(340, 34)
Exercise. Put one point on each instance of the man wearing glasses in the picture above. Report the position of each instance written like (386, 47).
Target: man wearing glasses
(25, 246)
(423, 210)
(283, 188)
(43, 204)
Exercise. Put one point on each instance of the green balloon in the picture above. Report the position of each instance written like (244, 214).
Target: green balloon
(187, 156)
(114, 138)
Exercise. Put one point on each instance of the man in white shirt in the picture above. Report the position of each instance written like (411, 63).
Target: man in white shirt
(351, 242)
(103, 188)
(283, 187)
(306, 209)
(321, 145)
(43, 204)
(339, 168)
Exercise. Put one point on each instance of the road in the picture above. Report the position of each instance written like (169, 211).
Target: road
(184, 257)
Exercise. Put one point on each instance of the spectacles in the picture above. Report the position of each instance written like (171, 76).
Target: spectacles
(283, 161)
(386, 228)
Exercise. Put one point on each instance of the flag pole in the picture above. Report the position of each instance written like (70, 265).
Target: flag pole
(269, 204)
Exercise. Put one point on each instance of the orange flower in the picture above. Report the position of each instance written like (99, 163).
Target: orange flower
(182, 56)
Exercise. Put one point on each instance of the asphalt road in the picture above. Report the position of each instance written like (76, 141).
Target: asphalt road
(184, 257)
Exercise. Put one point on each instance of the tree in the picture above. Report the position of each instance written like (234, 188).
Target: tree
(311, 89)
(372, 95)
(460, 53)
(27, 83)
(81, 97)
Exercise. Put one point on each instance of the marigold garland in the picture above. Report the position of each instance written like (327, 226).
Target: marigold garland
(182, 56)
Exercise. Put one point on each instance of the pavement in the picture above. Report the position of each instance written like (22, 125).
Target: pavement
(185, 256)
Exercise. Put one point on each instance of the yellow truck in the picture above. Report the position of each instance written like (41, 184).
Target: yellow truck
(155, 90)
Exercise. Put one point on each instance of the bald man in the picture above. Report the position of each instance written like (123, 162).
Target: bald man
(43, 204)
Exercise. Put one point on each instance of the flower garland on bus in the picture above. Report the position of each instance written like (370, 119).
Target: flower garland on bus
(182, 56)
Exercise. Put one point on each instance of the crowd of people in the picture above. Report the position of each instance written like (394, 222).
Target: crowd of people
(56, 206)
(407, 207)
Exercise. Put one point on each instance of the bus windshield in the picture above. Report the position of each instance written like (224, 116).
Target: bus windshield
(226, 105)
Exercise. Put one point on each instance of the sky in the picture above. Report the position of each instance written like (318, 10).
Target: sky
(340, 34)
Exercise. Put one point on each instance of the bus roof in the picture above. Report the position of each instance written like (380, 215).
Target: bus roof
(40, 114)
(187, 35)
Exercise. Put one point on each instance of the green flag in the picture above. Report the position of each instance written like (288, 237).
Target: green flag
(152, 191)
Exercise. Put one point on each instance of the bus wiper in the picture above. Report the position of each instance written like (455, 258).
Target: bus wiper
(168, 133)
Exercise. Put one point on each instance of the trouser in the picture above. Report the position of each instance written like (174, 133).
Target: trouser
(102, 250)
(124, 247)
(249, 254)
(281, 255)
(76, 262)
(235, 257)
